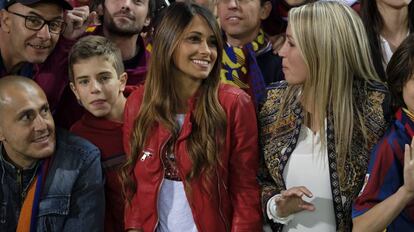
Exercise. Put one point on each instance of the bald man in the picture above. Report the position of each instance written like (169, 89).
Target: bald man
(51, 180)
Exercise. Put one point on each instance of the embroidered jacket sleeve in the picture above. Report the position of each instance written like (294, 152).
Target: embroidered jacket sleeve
(270, 179)
(244, 160)
(269, 164)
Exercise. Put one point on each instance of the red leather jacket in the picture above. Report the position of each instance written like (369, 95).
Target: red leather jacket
(233, 203)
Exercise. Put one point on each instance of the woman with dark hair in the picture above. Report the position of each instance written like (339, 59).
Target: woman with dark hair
(387, 198)
(388, 22)
(191, 141)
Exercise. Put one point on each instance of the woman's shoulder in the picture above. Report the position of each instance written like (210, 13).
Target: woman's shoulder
(373, 95)
(228, 90)
(274, 96)
(275, 90)
(133, 103)
(377, 86)
(229, 95)
(135, 93)
(371, 86)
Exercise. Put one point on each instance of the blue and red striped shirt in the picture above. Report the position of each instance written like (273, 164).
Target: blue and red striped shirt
(385, 172)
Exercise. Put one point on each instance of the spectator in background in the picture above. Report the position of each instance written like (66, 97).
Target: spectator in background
(275, 25)
(122, 23)
(318, 126)
(248, 61)
(387, 23)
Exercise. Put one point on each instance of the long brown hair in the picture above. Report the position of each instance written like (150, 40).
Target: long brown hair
(161, 101)
(374, 23)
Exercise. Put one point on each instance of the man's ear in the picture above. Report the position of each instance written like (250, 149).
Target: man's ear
(147, 21)
(5, 21)
(265, 10)
(73, 88)
(123, 79)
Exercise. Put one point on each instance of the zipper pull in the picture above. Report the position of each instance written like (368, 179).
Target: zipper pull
(145, 155)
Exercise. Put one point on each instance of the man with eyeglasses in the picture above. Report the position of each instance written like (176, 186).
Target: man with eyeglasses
(248, 59)
(29, 35)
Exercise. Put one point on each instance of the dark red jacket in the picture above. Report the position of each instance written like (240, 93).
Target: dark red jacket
(233, 201)
(107, 136)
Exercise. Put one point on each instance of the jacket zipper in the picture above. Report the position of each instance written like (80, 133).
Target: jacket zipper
(162, 181)
(19, 178)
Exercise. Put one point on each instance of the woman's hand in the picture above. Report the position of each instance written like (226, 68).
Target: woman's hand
(291, 202)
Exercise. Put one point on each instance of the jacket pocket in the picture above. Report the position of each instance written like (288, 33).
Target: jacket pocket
(53, 211)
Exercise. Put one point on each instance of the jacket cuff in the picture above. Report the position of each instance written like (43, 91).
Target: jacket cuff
(271, 211)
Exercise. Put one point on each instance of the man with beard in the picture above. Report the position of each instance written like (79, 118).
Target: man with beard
(29, 35)
(122, 22)
(51, 180)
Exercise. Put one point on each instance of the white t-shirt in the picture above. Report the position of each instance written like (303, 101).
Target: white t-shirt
(174, 212)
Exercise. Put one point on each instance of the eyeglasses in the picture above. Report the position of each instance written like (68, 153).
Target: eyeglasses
(36, 23)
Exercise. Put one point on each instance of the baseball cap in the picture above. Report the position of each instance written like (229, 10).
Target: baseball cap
(64, 4)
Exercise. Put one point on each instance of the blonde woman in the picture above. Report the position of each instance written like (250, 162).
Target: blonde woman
(318, 126)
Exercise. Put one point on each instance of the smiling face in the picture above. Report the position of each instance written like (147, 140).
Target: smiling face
(125, 17)
(294, 66)
(27, 130)
(241, 19)
(98, 87)
(196, 53)
(25, 45)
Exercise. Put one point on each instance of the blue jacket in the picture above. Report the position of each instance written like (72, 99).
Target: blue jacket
(73, 194)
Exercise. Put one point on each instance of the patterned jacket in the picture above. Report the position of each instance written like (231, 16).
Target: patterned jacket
(279, 138)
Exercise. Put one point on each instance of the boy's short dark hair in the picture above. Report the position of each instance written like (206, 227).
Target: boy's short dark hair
(94, 46)
(400, 69)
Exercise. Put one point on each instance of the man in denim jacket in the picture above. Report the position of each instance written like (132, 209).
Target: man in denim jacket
(50, 180)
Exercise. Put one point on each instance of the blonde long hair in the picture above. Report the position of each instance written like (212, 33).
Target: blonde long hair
(161, 102)
(335, 48)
